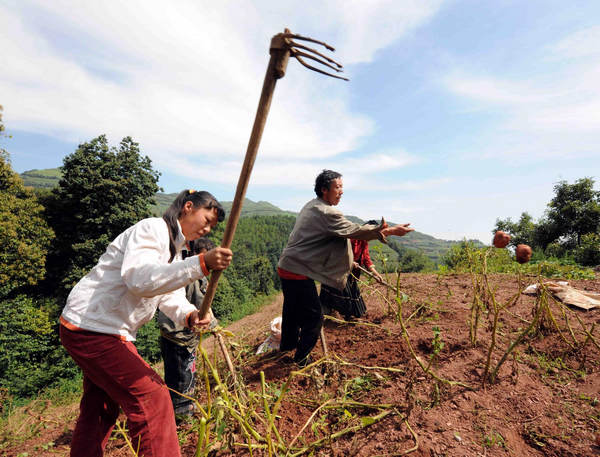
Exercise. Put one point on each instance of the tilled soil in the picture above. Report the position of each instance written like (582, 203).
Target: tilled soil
(545, 401)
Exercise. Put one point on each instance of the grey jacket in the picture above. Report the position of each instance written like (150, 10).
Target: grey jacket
(318, 246)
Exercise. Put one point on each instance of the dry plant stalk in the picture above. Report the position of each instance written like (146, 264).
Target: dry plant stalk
(241, 412)
(497, 309)
(123, 432)
(426, 369)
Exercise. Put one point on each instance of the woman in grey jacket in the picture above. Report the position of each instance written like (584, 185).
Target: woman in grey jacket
(319, 249)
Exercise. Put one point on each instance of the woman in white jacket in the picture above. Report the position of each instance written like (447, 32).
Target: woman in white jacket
(140, 271)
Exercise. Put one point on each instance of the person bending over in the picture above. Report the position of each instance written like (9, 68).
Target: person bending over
(141, 270)
(318, 250)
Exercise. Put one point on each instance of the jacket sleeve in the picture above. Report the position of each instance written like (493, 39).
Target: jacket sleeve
(176, 307)
(144, 269)
(338, 225)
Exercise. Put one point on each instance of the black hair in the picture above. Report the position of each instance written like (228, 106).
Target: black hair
(324, 179)
(372, 222)
(201, 244)
(200, 199)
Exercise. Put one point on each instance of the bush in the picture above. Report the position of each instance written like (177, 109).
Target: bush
(412, 261)
(225, 301)
(458, 257)
(31, 356)
(588, 252)
(463, 258)
(147, 342)
(24, 234)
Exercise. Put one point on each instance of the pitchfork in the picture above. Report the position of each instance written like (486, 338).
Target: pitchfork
(282, 47)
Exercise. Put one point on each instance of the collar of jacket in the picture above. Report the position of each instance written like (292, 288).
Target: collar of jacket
(180, 240)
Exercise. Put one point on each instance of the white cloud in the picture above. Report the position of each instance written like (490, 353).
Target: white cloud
(553, 111)
(582, 43)
(185, 80)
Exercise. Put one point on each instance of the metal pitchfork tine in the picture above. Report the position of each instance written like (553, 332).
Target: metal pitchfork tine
(294, 52)
(282, 47)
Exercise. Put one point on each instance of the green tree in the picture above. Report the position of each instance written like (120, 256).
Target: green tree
(521, 232)
(103, 190)
(412, 261)
(257, 246)
(575, 209)
(24, 234)
(572, 213)
(588, 252)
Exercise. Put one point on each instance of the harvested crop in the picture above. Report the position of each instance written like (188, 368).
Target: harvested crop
(501, 239)
(523, 253)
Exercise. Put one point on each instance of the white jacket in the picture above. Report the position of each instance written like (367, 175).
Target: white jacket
(133, 278)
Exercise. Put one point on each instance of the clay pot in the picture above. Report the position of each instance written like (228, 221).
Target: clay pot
(501, 239)
(523, 253)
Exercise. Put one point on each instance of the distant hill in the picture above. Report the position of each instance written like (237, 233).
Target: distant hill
(249, 208)
(432, 247)
(45, 179)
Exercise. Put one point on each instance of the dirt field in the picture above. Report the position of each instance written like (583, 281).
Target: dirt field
(545, 401)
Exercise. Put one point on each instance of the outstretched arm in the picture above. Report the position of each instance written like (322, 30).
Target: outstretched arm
(397, 230)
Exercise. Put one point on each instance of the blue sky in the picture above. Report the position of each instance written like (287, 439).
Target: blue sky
(457, 112)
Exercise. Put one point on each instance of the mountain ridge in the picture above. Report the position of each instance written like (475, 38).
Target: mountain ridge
(432, 247)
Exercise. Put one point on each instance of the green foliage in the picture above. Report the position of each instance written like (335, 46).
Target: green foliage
(256, 247)
(429, 246)
(521, 232)
(588, 251)
(146, 341)
(436, 343)
(575, 209)
(457, 258)
(103, 191)
(393, 257)
(567, 228)
(465, 258)
(24, 234)
(412, 261)
(31, 357)
(559, 268)
(225, 301)
(383, 256)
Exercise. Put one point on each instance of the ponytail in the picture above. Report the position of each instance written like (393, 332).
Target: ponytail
(200, 199)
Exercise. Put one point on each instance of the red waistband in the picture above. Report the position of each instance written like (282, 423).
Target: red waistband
(289, 275)
(65, 323)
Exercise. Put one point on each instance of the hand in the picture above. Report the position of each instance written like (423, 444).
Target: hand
(376, 275)
(218, 258)
(398, 230)
(355, 266)
(196, 323)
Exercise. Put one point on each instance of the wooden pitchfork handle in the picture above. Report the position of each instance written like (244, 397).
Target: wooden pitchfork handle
(371, 275)
(275, 70)
(280, 50)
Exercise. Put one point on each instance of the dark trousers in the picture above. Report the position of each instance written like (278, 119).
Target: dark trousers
(180, 373)
(348, 302)
(301, 318)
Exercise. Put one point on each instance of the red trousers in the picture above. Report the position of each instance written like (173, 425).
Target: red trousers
(115, 375)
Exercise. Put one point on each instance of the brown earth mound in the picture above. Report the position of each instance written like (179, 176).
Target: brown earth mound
(370, 396)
